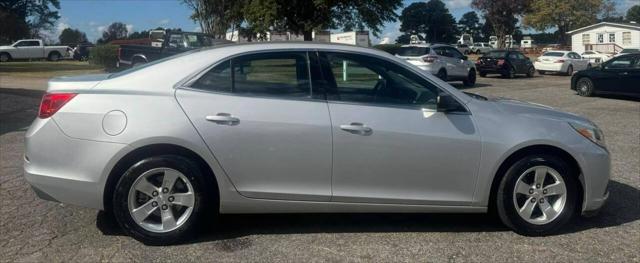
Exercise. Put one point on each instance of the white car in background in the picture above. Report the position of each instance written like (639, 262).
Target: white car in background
(596, 57)
(481, 48)
(444, 61)
(565, 62)
(32, 49)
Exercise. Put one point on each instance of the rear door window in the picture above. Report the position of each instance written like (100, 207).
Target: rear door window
(280, 74)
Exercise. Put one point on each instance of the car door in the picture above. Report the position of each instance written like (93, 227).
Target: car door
(579, 61)
(19, 52)
(257, 115)
(617, 74)
(459, 67)
(445, 56)
(515, 62)
(389, 144)
(31, 49)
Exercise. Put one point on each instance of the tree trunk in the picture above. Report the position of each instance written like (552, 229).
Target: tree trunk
(308, 35)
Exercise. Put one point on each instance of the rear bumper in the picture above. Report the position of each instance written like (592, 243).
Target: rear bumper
(556, 67)
(491, 69)
(67, 170)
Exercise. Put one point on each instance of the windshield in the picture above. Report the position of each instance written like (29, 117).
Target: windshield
(134, 69)
(496, 54)
(412, 51)
(553, 54)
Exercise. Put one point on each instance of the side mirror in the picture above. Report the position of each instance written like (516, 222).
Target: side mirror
(446, 103)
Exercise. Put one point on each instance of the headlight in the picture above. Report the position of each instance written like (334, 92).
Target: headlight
(589, 131)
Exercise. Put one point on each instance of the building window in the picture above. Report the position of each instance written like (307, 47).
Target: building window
(600, 38)
(612, 38)
(626, 38)
(586, 39)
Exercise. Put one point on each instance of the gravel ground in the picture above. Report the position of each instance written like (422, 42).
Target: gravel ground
(36, 230)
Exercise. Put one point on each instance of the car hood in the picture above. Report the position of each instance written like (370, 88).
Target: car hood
(535, 110)
(6, 47)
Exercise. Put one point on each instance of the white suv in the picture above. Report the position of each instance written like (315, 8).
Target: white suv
(444, 61)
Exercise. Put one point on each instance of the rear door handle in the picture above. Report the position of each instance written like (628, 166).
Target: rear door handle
(223, 118)
(356, 128)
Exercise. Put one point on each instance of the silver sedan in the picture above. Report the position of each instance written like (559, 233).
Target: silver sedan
(305, 128)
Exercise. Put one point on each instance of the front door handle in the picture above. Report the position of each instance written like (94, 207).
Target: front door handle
(223, 118)
(356, 128)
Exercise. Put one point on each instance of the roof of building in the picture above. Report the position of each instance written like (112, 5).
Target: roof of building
(618, 24)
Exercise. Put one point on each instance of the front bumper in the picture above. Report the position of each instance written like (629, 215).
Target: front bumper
(595, 164)
(67, 170)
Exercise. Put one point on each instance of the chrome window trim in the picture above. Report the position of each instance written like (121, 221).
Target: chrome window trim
(190, 79)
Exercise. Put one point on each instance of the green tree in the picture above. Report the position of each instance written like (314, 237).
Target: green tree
(22, 18)
(470, 23)
(486, 31)
(502, 15)
(431, 19)
(116, 30)
(303, 16)
(633, 14)
(72, 36)
(215, 17)
(564, 15)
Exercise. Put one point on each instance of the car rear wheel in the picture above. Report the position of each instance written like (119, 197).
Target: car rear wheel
(54, 56)
(159, 200)
(538, 195)
(569, 70)
(442, 74)
(471, 79)
(584, 87)
(4, 57)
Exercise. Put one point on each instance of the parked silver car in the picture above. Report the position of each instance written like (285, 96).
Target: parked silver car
(444, 61)
(305, 127)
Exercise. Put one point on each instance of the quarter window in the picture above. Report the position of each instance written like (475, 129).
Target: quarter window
(363, 79)
(621, 63)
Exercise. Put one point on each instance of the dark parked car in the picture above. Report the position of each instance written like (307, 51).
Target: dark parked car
(166, 44)
(81, 51)
(507, 63)
(619, 75)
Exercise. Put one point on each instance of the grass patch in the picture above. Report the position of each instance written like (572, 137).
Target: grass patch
(47, 69)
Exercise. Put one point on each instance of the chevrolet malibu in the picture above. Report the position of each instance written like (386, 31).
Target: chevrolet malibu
(305, 128)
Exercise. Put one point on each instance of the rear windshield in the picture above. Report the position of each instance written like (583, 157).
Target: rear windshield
(496, 54)
(553, 54)
(412, 51)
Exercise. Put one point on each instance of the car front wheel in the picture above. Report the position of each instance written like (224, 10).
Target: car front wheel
(159, 200)
(471, 79)
(538, 195)
(584, 87)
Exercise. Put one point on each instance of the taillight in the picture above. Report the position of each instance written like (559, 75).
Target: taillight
(560, 61)
(500, 62)
(429, 59)
(52, 102)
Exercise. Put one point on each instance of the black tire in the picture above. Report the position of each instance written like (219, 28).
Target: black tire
(507, 210)
(5, 57)
(471, 79)
(483, 74)
(442, 74)
(201, 200)
(530, 72)
(541, 72)
(54, 56)
(584, 87)
(569, 70)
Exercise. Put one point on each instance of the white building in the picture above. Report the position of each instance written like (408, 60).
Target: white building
(606, 37)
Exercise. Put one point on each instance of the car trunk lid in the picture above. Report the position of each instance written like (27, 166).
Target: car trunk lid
(75, 83)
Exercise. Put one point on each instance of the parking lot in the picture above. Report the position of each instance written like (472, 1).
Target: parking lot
(36, 230)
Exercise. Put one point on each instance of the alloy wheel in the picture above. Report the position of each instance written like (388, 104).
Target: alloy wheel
(161, 200)
(540, 195)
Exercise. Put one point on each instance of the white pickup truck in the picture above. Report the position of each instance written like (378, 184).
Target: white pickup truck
(32, 48)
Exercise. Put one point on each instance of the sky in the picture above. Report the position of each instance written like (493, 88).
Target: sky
(93, 16)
